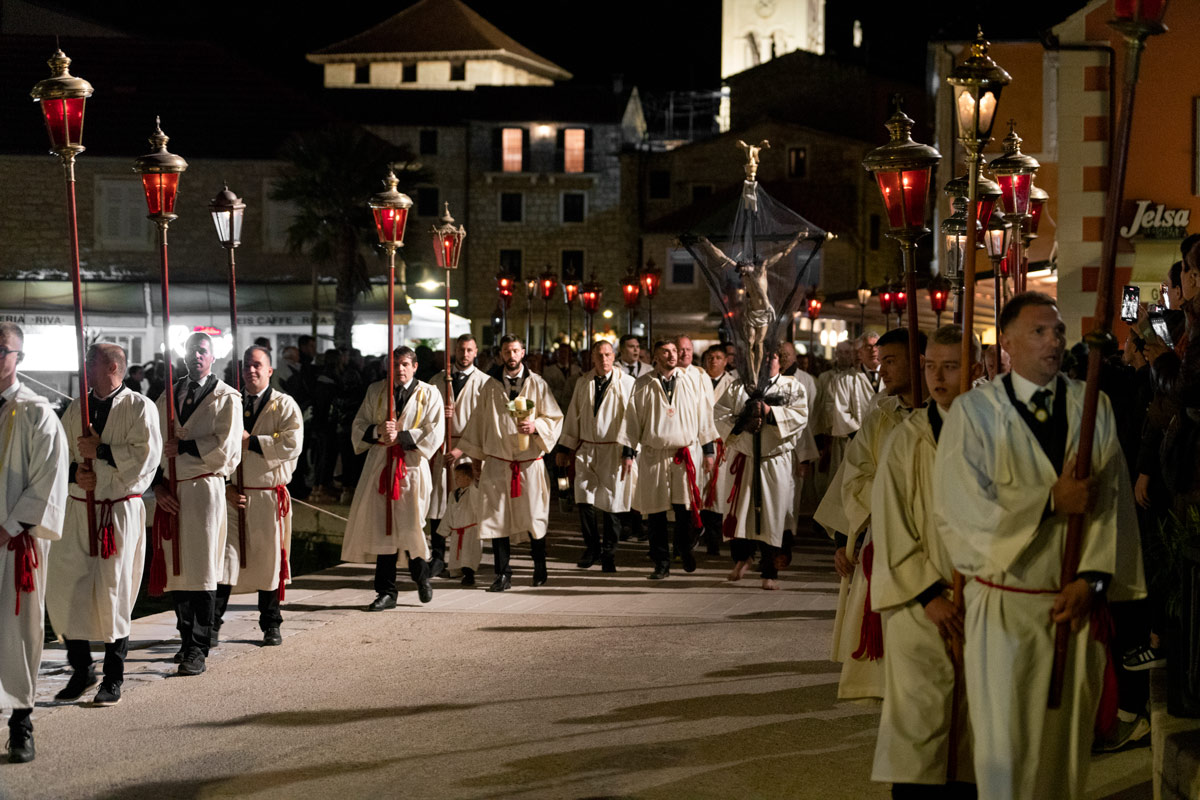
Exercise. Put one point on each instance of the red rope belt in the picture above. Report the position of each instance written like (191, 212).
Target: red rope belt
(710, 491)
(24, 564)
(283, 507)
(166, 529)
(684, 456)
(870, 637)
(1017, 589)
(103, 542)
(391, 478)
(460, 532)
(736, 468)
(514, 484)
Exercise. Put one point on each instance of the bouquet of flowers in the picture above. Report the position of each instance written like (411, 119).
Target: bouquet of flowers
(521, 409)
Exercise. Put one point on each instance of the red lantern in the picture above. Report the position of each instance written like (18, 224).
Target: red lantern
(547, 283)
(631, 289)
(570, 289)
(814, 307)
(939, 294)
(1014, 170)
(899, 300)
(1140, 11)
(885, 300)
(651, 278)
(1037, 203)
(590, 296)
(160, 172)
(390, 209)
(505, 284)
(447, 241)
(902, 168)
(63, 96)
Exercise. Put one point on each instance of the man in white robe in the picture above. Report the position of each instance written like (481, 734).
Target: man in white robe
(272, 439)
(1004, 487)
(629, 358)
(190, 524)
(589, 440)
(912, 587)
(843, 396)
(33, 494)
(562, 374)
(858, 640)
(514, 489)
(668, 424)
(777, 418)
(466, 381)
(94, 576)
(716, 489)
(396, 472)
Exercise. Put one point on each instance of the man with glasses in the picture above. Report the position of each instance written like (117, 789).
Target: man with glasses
(33, 496)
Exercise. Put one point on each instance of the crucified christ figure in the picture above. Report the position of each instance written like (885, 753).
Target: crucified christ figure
(757, 313)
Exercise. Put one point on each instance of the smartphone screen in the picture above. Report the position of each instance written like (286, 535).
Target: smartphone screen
(1129, 303)
(1160, 328)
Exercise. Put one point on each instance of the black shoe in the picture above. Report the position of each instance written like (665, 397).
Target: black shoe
(381, 602)
(608, 564)
(588, 559)
(178, 657)
(539, 575)
(424, 591)
(689, 561)
(80, 682)
(502, 584)
(193, 662)
(468, 578)
(20, 746)
(660, 571)
(109, 694)
(272, 637)
(214, 637)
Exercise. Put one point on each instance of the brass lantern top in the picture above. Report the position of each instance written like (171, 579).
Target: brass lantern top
(978, 69)
(448, 240)
(984, 187)
(1013, 162)
(61, 85)
(225, 200)
(390, 197)
(159, 161)
(901, 152)
(956, 223)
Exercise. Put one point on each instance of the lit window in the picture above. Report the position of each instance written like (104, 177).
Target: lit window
(574, 142)
(511, 141)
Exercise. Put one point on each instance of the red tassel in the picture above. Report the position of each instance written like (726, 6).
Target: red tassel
(284, 573)
(1102, 631)
(736, 468)
(390, 479)
(25, 562)
(160, 531)
(684, 456)
(514, 485)
(105, 531)
(870, 639)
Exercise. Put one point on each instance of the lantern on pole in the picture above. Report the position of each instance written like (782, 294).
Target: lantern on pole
(631, 291)
(998, 239)
(902, 169)
(160, 171)
(531, 287)
(447, 250)
(864, 297)
(505, 288)
(547, 283)
(590, 297)
(62, 97)
(390, 210)
(954, 235)
(570, 289)
(1015, 170)
(939, 294)
(885, 303)
(650, 279)
(812, 310)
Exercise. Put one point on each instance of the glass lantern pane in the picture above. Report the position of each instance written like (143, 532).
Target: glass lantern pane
(955, 245)
(221, 221)
(160, 192)
(1015, 193)
(994, 239)
(1035, 214)
(964, 104)
(984, 209)
(64, 121)
(389, 224)
(237, 224)
(904, 195)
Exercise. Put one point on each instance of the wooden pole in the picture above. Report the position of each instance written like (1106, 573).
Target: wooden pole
(237, 384)
(169, 387)
(391, 377)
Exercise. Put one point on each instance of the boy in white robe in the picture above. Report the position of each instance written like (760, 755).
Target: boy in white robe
(589, 440)
(94, 575)
(33, 496)
(272, 440)
(514, 490)
(396, 472)
(461, 520)
(1004, 487)
(911, 587)
(190, 525)
(716, 489)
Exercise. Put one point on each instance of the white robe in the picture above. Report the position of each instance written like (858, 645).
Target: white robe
(658, 429)
(460, 526)
(991, 488)
(561, 381)
(491, 437)
(216, 427)
(594, 438)
(91, 597)
(464, 405)
(33, 492)
(424, 419)
(279, 430)
(718, 484)
(910, 557)
(776, 471)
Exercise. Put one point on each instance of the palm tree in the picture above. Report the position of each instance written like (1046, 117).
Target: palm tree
(332, 173)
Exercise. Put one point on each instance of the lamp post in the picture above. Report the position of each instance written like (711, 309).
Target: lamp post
(864, 297)
(1015, 171)
(939, 293)
(63, 97)
(998, 238)
(902, 169)
(631, 290)
(547, 283)
(1136, 21)
(650, 280)
(531, 287)
(447, 250)
(390, 209)
(570, 288)
(160, 171)
(505, 287)
(227, 211)
(954, 233)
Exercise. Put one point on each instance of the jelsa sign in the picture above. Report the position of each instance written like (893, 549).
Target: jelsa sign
(1157, 222)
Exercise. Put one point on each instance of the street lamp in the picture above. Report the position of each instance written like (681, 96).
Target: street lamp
(1015, 171)
(570, 288)
(160, 171)
(650, 280)
(547, 283)
(631, 290)
(902, 168)
(390, 209)
(939, 293)
(864, 297)
(62, 97)
(954, 234)
(227, 212)
(998, 238)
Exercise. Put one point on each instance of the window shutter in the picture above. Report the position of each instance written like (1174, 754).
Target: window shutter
(588, 161)
(560, 156)
(525, 165)
(497, 150)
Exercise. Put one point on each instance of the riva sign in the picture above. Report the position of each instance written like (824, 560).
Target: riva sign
(1157, 222)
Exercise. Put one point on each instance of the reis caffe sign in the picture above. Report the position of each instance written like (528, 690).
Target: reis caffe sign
(1157, 222)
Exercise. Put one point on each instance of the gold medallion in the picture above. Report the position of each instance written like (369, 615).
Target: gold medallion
(1041, 415)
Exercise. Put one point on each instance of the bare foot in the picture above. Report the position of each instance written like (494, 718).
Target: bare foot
(739, 569)
(770, 584)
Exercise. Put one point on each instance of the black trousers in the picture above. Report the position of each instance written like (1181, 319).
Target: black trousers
(502, 552)
(743, 550)
(956, 790)
(194, 618)
(21, 719)
(712, 529)
(634, 519)
(385, 572)
(592, 541)
(437, 547)
(660, 550)
(269, 615)
(79, 656)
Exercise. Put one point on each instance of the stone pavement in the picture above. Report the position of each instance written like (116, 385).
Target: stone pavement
(594, 686)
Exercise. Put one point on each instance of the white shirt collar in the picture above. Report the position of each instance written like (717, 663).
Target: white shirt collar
(110, 394)
(1024, 388)
(456, 371)
(11, 391)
